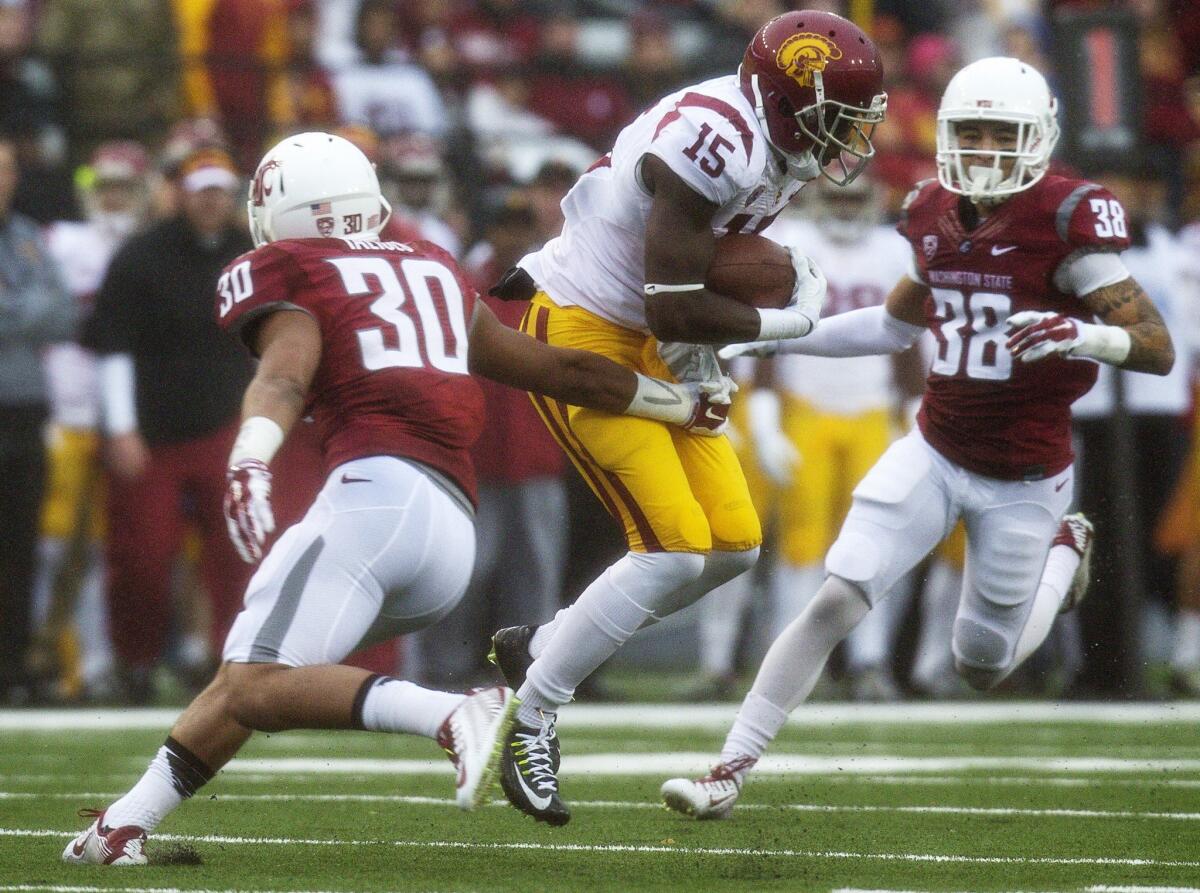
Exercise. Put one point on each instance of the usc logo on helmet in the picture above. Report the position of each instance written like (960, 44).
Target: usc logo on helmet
(802, 54)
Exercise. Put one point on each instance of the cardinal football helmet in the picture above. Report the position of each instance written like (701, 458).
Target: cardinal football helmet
(315, 185)
(996, 89)
(816, 83)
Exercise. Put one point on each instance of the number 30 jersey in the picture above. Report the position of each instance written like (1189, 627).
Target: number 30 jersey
(982, 410)
(394, 320)
(709, 135)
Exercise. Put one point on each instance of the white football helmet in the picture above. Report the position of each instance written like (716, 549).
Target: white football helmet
(315, 185)
(996, 89)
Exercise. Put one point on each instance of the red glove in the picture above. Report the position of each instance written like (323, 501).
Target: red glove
(248, 512)
(710, 409)
(1038, 334)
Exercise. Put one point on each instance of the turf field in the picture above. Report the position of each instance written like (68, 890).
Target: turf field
(979, 797)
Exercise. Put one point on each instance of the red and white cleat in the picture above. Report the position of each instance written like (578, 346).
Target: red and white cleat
(1076, 533)
(473, 737)
(710, 797)
(102, 845)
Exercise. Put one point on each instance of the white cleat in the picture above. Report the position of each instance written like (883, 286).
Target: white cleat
(102, 845)
(710, 797)
(1076, 533)
(473, 737)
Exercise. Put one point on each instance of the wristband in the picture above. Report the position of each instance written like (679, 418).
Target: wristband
(778, 325)
(258, 438)
(1108, 344)
(660, 400)
(653, 288)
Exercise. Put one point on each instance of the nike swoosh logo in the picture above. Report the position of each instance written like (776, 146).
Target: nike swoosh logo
(669, 398)
(77, 848)
(714, 416)
(538, 802)
(997, 250)
(346, 479)
(715, 802)
(1059, 486)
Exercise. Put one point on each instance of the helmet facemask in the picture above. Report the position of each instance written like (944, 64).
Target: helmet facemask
(840, 132)
(966, 171)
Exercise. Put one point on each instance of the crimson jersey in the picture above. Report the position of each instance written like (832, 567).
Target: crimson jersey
(983, 411)
(394, 318)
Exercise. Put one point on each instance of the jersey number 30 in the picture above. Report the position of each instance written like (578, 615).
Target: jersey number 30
(443, 329)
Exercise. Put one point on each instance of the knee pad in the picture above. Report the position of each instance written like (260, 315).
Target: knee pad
(856, 558)
(640, 586)
(981, 654)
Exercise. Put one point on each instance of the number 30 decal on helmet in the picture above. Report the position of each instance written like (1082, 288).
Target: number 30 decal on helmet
(315, 185)
(816, 83)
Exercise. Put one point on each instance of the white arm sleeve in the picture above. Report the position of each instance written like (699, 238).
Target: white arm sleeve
(858, 333)
(117, 395)
(1082, 274)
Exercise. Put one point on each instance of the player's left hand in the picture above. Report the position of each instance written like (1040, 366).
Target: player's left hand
(248, 512)
(1035, 335)
(710, 408)
(690, 362)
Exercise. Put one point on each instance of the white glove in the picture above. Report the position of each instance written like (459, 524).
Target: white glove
(710, 407)
(803, 312)
(776, 454)
(690, 362)
(248, 514)
(759, 349)
(1035, 335)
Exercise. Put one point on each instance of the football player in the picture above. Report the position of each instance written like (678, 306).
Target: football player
(625, 280)
(375, 340)
(1010, 264)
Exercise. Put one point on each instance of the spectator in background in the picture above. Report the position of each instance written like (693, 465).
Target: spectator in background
(312, 102)
(653, 68)
(546, 191)
(381, 89)
(70, 582)
(117, 65)
(521, 548)
(35, 310)
(414, 181)
(733, 23)
(1157, 406)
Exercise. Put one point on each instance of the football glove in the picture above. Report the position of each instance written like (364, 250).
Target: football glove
(710, 411)
(1035, 335)
(690, 362)
(248, 512)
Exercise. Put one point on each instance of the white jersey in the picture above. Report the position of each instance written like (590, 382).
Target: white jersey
(860, 274)
(82, 252)
(708, 135)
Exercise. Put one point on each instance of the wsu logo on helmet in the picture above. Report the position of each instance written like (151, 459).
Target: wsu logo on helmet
(261, 187)
(802, 54)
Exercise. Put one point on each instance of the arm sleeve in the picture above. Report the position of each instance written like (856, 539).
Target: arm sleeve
(708, 146)
(118, 394)
(1082, 274)
(857, 333)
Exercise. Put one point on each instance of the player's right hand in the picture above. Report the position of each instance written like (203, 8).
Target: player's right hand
(759, 349)
(808, 294)
(248, 512)
(710, 407)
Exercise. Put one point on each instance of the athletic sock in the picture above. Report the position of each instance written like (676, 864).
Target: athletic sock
(543, 634)
(757, 723)
(173, 775)
(1061, 564)
(602, 619)
(385, 704)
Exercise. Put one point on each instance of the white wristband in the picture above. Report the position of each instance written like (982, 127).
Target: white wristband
(258, 438)
(660, 400)
(118, 394)
(653, 288)
(1108, 344)
(778, 325)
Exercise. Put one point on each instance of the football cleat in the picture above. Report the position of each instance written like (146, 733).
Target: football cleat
(510, 652)
(102, 845)
(1076, 532)
(528, 773)
(710, 797)
(473, 737)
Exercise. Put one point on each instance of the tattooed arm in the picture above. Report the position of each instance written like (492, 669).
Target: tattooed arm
(1133, 336)
(1126, 306)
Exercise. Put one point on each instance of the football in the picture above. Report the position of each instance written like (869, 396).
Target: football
(752, 270)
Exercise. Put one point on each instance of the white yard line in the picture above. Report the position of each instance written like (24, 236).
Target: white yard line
(407, 799)
(644, 849)
(670, 764)
(714, 716)
(1102, 888)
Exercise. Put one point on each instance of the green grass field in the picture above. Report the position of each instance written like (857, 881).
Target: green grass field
(979, 797)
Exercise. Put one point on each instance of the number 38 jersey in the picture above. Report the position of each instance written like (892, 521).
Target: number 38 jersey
(709, 136)
(394, 320)
(983, 410)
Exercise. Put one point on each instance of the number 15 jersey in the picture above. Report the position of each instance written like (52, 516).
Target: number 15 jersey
(709, 136)
(394, 320)
(982, 410)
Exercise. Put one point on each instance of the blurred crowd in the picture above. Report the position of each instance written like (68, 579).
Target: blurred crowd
(127, 129)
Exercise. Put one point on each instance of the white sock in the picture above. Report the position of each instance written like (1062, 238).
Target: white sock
(1186, 655)
(721, 624)
(391, 705)
(1061, 564)
(792, 666)
(792, 588)
(600, 621)
(172, 776)
(543, 634)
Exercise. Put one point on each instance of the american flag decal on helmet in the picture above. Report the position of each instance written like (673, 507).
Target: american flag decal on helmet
(320, 208)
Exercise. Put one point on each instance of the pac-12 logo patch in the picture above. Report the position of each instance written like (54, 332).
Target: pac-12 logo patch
(930, 246)
(802, 54)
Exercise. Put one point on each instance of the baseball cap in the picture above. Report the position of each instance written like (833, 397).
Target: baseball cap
(119, 161)
(208, 167)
